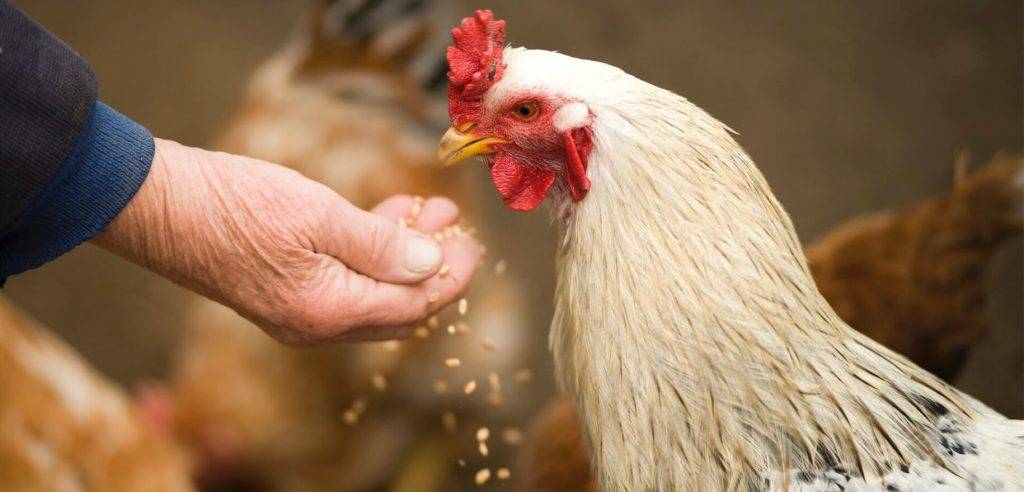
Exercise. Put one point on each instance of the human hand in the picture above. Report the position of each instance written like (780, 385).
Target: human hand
(288, 253)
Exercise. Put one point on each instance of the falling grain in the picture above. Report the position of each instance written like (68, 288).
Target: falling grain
(359, 405)
(463, 306)
(470, 387)
(440, 386)
(452, 362)
(433, 322)
(380, 383)
(482, 447)
(495, 381)
(488, 345)
(496, 400)
(390, 345)
(482, 476)
(350, 417)
(512, 436)
(449, 421)
(500, 267)
(451, 329)
(503, 474)
(421, 332)
(524, 376)
(482, 434)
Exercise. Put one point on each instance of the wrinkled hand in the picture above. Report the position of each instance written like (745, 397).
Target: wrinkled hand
(288, 253)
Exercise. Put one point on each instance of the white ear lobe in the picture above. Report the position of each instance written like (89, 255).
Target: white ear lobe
(570, 116)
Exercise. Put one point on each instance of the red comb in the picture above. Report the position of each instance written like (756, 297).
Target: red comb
(474, 64)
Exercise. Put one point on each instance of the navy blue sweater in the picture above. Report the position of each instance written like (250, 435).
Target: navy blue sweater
(68, 163)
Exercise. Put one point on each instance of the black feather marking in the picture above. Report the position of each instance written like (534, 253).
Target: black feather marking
(827, 457)
(805, 477)
(935, 408)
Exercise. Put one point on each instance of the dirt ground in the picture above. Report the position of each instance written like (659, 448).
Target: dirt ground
(848, 107)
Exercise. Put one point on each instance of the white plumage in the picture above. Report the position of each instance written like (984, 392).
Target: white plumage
(688, 329)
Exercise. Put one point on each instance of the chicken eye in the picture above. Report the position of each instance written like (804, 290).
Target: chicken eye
(526, 111)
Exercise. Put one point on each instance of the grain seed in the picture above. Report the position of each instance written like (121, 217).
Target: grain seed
(503, 474)
(440, 386)
(379, 382)
(359, 406)
(417, 207)
(421, 332)
(434, 296)
(500, 267)
(524, 375)
(463, 306)
(495, 381)
(482, 476)
(488, 345)
(449, 421)
(390, 345)
(350, 417)
(452, 362)
(512, 436)
(444, 270)
(482, 434)
(470, 387)
(496, 400)
(482, 447)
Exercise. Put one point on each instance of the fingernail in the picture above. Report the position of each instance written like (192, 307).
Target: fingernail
(421, 254)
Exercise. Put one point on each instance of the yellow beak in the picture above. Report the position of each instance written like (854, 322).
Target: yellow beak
(459, 144)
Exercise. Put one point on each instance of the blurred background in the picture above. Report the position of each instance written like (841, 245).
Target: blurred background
(847, 107)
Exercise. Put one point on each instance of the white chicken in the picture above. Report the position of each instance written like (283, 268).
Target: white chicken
(687, 326)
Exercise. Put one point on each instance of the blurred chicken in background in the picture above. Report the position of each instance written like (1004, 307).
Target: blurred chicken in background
(356, 104)
(64, 427)
(914, 280)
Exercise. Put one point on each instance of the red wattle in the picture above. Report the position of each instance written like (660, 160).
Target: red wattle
(577, 149)
(521, 187)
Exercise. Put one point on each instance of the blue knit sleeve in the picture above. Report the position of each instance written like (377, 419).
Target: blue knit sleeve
(107, 165)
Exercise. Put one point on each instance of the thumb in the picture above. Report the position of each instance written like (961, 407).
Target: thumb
(382, 249)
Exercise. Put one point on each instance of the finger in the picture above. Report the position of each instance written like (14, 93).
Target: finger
(371, 304)
(436, 214)
(380, 248)
(395, 207)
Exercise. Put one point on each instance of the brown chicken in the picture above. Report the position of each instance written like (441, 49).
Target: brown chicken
(913, 279)
(64, 427)
(355, 105)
